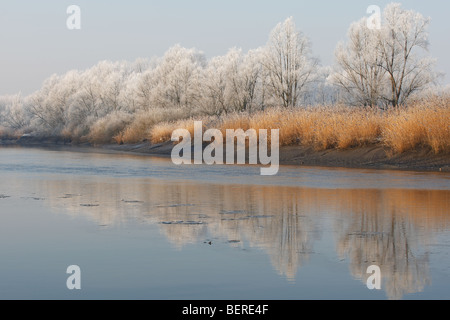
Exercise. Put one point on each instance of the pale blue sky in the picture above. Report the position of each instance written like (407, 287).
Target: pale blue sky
(35, 42)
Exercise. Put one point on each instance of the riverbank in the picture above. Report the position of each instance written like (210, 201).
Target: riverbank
(368, 157)
(365, 157)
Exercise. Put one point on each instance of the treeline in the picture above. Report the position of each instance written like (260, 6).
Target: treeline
(376, 68)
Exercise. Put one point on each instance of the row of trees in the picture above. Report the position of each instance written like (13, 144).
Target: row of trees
(374, 68)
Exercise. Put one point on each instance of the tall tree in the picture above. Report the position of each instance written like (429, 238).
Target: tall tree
(386, 65)
(359, 71)
(403, 38)
(177, 78)
(289, 64)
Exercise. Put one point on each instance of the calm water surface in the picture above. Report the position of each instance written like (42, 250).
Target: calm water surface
(142, 228)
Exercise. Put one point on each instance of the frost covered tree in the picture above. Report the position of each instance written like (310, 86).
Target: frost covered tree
(129, 97)
(231, 82)
(113, 82)
(213, 87)
(244, 79)
(144, 84)
(103, 84)
(289, 64)
(74, 101)
(49, 105)
(177, 78)
(13, 114)
(385, 65)
(359, 71)
(403, 38)
(96, 95)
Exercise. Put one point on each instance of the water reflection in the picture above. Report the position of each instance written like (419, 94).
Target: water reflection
(387, 227)
(392, 229)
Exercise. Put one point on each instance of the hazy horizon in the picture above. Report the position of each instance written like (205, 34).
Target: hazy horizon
(36, 42)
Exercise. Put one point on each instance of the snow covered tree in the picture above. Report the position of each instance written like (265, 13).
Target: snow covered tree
(243, 77)
(230, 83)
(386, 65)
(144, 84)
(213, 87)
(13, 113)
(290, 66)
(359, 71)
(403, 39)
(49, 105)
(177, 78)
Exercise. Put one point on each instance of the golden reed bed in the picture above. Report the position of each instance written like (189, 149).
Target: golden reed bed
(423, 124)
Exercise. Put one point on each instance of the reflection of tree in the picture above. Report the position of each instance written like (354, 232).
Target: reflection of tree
(274, 219)
(277, 224)
(261, 217)
(388, 228)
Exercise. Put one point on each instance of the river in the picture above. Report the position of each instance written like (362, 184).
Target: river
(140, 227)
